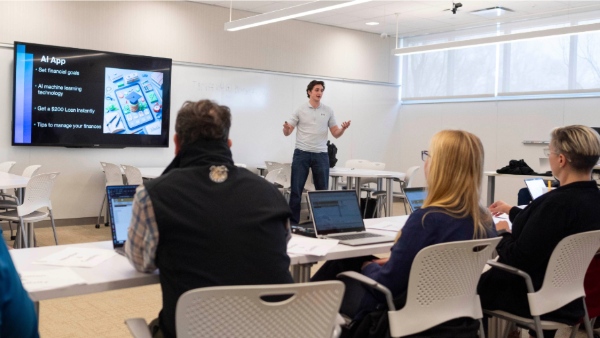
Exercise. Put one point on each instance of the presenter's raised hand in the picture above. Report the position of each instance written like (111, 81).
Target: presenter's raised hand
(287, 128)
(346, 125)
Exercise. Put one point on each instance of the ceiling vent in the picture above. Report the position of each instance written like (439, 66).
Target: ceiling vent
(492, 12)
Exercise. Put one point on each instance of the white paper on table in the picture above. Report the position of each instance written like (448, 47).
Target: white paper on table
(387, 225)
(50, 279)
(310, 246)
(77, 257)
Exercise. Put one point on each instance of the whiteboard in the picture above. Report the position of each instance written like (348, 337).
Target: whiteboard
(261, 102)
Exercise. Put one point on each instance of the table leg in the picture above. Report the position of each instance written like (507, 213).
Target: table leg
(389, 196)
(357, 187)
(491, 189)
(30, 239)
(301, 272)
(334, 185)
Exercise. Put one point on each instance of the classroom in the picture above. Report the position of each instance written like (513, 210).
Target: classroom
(396, 103)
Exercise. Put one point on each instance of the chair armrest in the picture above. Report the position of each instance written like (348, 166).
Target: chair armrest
(514, 271)
(372, 284)
(138, 327)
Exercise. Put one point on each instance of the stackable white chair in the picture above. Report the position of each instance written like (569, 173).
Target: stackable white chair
(271, 165)
(6, 166)
(246, 311)
(406, 183)
(9, 201)
(112, 176)
(442, 286)
(132, 174)
(563, 283)
(38, 190)
(352, 164)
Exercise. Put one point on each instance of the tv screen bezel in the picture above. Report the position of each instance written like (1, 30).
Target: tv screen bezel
(142, 141)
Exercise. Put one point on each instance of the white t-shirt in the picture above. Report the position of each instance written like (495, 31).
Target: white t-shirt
(312, 126)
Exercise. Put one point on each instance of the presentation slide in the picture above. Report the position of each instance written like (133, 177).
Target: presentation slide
(73, 97)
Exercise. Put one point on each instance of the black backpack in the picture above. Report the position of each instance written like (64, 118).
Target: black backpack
(331, 151)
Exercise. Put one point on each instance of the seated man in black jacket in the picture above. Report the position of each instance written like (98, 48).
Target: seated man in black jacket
(204, 221)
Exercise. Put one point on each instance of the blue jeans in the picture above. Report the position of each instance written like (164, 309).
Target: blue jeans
(302, 162)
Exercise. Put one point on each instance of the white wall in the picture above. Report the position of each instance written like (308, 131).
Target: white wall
(502, 127)
(192, 32)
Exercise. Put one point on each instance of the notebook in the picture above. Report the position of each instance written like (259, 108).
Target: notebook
(336, 215)
(536, 187)
(120, 206)
(415, 197)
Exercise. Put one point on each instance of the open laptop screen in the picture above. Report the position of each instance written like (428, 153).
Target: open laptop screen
(335, 211)
(415, 197)
(120, 205)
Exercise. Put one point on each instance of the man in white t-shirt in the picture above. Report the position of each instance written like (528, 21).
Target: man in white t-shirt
(312, 119)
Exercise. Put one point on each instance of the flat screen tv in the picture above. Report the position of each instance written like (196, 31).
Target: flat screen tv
(71, 97)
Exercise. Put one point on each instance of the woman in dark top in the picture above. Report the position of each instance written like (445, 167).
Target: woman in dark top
(451, 212)
(536, 230)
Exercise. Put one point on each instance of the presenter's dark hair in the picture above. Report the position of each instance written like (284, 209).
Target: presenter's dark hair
(203, 119)
(312, 85)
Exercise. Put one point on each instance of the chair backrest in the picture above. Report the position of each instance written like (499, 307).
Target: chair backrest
(242, 311)
(272, 175)
(410, 174)
(38, 192)
(357, 164)
(273, 165)
(443, 285)
(133, 175)
(31, 170)
(6, 166)
(112, 174)
(285, 176)
(565, 273)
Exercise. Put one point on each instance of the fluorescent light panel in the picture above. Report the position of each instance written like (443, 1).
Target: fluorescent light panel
(289, 13)
(497, 39)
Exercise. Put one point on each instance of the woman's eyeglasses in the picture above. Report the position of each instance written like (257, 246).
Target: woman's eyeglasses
(424, 155)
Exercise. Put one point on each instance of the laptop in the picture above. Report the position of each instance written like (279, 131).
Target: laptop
(536, 187)
(120, 206)
(415, 197)
(336, 215)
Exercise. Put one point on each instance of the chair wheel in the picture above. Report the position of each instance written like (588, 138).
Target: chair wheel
(97, 226)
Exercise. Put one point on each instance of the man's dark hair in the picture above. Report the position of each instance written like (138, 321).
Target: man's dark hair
(312, 85)
(203, 119)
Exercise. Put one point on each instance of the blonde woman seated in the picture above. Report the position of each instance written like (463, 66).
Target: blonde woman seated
(451, 212)
(536, 230)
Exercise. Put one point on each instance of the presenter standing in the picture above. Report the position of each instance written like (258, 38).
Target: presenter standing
(312, 120)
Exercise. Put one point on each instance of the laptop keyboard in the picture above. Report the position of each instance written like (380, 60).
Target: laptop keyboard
(355, 236)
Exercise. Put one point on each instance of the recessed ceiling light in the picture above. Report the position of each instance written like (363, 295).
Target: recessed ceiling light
(492, 12)
(372, 23)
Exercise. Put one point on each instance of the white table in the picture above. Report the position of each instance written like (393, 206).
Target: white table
(113, 274)
(358, 174)
(491, 188)
(117, 273)
(301, 264)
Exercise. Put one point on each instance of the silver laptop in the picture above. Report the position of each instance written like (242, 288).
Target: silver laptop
(536, 186)
(415, 197)
(336, 215)
(120, 206)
